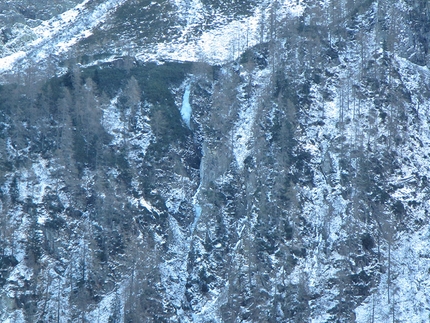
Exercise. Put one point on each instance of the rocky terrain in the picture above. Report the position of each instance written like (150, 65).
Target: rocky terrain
(214, 161)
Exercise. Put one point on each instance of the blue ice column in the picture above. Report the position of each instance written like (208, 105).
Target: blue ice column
(186, 107)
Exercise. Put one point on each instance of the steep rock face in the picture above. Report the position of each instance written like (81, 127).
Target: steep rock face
(296, 190)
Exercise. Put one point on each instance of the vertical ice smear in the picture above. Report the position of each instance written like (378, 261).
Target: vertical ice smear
(174, 273)
(186, 107)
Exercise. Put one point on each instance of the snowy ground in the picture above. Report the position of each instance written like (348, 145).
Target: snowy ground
(57, 35)
(404, 296)
(408, 301)
(225, 42)
(221, 44)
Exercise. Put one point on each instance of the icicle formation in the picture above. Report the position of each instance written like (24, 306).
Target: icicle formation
(186, 107)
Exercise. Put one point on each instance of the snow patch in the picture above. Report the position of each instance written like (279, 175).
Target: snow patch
(294, 8)
(197, 206)
(243, 134)
(223, 43)
(174, 199)
(145, 204)
(7, 63)
(114, 301)
(113, 123)
(20, 274)
(197, 214)
(16, 316)
(210, 311)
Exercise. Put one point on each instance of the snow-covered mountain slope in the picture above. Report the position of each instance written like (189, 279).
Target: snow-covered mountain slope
(215, 161)
(55, 36)
(193, 34)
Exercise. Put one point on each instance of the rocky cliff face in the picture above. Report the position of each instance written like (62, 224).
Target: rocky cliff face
(207, 161)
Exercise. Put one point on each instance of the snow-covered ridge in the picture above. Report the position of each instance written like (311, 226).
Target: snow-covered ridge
(226, 41)
(216, 46)
(57, 35)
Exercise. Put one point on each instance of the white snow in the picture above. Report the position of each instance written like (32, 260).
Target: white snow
(7, 63)
(242, 132)
(145, 204)
(196, 197)
(226, 41)
(20, 274)
(410, 257)
(190, 11)
(221, 44)
(57, 35)
(197, 214)
(16, 316)
(104, 309)
(409, 287)
(174, 271)
(114, 123)
(294, 8)
(404, 295)
(210, 311)
(42, 173)
(175, 196)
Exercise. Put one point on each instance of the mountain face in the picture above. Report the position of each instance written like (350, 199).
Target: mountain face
(214, 161)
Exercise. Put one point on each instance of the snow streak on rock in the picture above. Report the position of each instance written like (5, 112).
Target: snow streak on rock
(242, 131)
(16, 316)
(112, 122)
(191, 12)
(110, 303)
(174, 270)
(196, 197)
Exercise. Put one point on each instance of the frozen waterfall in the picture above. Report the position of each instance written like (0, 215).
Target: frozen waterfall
(186, 107)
